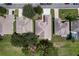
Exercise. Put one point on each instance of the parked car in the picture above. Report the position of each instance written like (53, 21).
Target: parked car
(45, 3)
(8, 3)
(75, 3)
(66, 3)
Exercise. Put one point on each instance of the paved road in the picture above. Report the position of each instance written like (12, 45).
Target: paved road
(54, 5)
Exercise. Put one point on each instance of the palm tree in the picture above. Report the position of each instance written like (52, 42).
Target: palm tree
(70, 18)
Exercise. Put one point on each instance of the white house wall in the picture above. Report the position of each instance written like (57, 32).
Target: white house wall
(56, 13)
(10, 11)
(20, 12)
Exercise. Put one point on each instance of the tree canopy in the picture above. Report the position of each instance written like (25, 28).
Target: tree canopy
(31, 12)
(3, 11)
(28, 11)
(17, 40)
(70, 18)
(24, 39)
(31, 45)
(27, 41)
(30, 38)
(38, 10)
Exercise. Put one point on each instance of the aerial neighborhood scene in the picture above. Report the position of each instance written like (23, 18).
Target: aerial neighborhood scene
(39, 29)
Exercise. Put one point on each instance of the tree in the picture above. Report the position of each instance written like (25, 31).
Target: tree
(29, 40)
(70, 18)
(28, 11)
(26, 40)
(38, 10)
(3, 11)
(45, 48)
(17, 40)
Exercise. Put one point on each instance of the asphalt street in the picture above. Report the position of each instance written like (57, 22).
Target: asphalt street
(52, 6)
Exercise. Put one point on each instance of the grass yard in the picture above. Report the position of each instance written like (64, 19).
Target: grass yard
(6, 49)
(69, 49)
(64, 12)
(66, 48)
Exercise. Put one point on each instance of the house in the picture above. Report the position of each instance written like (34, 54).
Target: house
(61, 29)
(43, 26)
(6, 25)
(12, 7)
(24, 25)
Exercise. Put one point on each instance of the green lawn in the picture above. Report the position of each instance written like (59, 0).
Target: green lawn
(66, 48)
(6, 49)
(69, 48)
(64, 12)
